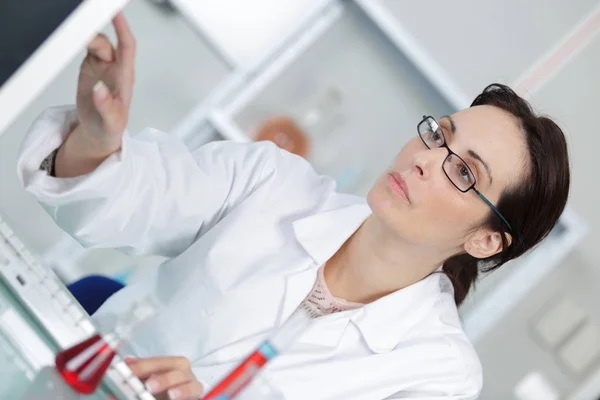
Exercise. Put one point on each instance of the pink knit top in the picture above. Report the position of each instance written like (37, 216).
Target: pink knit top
(320, 301)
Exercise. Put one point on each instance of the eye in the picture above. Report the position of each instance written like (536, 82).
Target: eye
(436, 137)
(464, 173)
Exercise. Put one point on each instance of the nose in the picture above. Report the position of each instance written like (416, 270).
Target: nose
(426, 161)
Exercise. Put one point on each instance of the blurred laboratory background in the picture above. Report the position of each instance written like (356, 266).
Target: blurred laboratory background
(344, 83)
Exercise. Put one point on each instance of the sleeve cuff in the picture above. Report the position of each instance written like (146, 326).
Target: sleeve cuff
(45, 136)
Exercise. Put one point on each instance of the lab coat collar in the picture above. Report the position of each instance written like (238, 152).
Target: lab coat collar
(381, 323)
(384, 322)
(323, 234)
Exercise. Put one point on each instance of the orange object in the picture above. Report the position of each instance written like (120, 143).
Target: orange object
(286, 134)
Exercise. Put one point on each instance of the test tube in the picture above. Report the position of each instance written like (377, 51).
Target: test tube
(84, 365)
(245, 372)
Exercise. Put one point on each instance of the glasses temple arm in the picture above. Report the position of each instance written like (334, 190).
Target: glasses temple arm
(494, 209)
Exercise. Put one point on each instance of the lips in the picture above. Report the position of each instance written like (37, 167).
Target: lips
(399, 185)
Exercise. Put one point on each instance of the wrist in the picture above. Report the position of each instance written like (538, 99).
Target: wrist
(87, 145)
(78, 155)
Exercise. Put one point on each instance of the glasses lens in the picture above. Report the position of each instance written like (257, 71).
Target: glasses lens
(431, 134)
(459, 172)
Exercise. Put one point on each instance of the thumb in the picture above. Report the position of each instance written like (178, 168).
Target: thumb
(108, 108)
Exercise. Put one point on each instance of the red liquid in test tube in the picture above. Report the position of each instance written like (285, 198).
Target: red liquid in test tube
(83, 365)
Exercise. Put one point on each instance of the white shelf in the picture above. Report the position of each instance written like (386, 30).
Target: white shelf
(263, 22)
(381, 90)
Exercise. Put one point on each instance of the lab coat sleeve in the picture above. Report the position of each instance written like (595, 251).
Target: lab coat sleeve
(154, 196)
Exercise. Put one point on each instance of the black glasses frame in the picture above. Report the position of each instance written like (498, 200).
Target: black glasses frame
(451, 153)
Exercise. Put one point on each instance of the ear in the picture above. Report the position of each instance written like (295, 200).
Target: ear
(485, 243)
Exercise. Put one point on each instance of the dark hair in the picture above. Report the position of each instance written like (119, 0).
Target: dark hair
(534, 206)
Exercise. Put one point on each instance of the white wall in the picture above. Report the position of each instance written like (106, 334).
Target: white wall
(572, 98)
(482, 41)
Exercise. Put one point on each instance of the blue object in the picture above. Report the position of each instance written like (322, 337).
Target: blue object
(92, 291)
(267, 350)
(123, 276)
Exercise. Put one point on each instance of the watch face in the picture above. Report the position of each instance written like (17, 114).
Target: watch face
(24, 25)
(286, 134)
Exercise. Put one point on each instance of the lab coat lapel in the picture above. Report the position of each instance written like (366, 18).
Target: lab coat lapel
(384, 322)
(297, 287)
(321, 235)
(328, 330)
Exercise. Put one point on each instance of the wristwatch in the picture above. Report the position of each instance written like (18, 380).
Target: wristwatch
(48, 163)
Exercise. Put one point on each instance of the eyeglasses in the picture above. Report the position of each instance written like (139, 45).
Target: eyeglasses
(455, 168)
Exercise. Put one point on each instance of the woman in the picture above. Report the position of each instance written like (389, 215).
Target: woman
(252, 232)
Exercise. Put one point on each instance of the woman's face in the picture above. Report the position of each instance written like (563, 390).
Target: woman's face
(430, 211)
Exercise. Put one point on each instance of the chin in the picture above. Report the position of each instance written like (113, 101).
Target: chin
(385, 209)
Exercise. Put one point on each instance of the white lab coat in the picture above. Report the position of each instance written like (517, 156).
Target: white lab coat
(246, 227)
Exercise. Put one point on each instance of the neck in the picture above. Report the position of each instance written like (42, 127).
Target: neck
(372, 263)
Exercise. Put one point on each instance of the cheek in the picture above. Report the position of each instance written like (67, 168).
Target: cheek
(442, 217)
(404, 159)
(448, 215)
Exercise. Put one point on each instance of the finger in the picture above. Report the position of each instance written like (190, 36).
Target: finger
(167, 380)
(144, 367)
(187, 391)
(101, 47)
(126, 40)
(108, 108)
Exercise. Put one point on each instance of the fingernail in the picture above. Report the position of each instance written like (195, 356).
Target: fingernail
(152, 385)
(174, 394)
(101, 89)
(129, 358)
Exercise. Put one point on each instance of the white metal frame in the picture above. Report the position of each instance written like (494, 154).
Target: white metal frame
(296, 47)
(222, 114)
(188, 126)
(241, 78)
(193, 11)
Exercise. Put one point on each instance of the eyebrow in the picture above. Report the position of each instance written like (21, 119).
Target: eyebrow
(452, 125)
(471, 153)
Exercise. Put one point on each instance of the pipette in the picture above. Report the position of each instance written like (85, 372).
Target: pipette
(245, 372)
